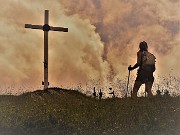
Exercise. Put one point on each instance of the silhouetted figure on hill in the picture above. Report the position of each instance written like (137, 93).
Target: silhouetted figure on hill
(100, 94)
(146, 64)
(94, 93)
(112, 93)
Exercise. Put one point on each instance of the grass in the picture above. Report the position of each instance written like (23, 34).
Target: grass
(65, 112)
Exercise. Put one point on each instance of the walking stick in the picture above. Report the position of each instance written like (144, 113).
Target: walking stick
(128, 82)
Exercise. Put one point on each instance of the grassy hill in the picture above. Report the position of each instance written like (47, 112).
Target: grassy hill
(65, 112)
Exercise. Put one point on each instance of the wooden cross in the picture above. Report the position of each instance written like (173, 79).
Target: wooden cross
(46, 29)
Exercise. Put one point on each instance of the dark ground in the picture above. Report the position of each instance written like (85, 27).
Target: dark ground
(66, 112)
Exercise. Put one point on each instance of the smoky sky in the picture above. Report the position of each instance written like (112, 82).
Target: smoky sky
(102, 41)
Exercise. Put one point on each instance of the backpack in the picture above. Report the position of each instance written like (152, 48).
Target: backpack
(148, 61)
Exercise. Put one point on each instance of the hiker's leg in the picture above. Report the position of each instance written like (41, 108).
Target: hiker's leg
(137, 85)
(148, 87)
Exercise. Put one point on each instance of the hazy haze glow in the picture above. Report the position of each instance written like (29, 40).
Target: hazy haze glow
(102, 41)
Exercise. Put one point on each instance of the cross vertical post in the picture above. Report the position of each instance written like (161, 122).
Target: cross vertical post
(46, 23)
(46, 29)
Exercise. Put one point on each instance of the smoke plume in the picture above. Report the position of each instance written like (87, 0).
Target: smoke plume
(102, 41)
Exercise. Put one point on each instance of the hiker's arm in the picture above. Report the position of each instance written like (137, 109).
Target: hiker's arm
(138, 61)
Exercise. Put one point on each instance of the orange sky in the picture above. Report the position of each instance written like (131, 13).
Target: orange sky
(102, 41)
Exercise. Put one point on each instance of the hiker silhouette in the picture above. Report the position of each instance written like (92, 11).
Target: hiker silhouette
(146, 64)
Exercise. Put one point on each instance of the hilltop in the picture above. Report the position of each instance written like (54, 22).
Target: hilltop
(67, 112)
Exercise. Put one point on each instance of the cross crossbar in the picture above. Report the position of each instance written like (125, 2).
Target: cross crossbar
(58, 29)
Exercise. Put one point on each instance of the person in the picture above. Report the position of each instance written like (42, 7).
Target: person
(146, 64)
